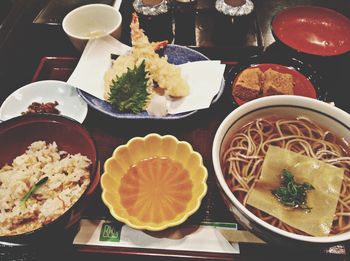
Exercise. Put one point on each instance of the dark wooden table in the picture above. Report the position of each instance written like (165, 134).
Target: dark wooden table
(24, 43)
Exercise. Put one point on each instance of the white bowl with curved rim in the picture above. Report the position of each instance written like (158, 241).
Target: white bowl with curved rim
(326, 115)
(69, 101)
(92, 21)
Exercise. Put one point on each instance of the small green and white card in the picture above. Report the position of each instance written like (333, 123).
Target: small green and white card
(205, 237)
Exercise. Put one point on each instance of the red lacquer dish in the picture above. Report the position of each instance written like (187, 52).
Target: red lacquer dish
(313, 30)
(302, 85)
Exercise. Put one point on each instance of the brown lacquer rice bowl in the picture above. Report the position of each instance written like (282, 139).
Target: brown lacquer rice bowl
(327, 116)
(70, 136)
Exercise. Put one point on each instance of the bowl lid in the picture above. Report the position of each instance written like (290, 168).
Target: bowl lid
(313, 30)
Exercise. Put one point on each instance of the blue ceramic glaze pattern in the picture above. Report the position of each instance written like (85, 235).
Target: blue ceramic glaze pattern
(180, 54)
(176, 55)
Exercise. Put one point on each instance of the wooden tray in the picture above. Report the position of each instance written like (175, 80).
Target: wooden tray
(109, 133)
(199, 130)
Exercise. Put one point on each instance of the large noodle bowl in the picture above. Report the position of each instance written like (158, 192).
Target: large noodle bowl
(244, 154)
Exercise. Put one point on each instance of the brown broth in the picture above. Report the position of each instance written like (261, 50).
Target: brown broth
(156, 189)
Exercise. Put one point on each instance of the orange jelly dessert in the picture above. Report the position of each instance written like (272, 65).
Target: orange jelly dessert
(156, 189)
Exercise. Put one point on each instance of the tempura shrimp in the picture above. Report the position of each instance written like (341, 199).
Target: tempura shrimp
(139, 39)
(165, 77)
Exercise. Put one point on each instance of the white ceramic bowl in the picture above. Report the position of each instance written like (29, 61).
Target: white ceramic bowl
(92, 21)
(326, 115)
(69, 101)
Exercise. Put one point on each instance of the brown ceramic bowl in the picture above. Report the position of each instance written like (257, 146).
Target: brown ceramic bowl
(18, 133)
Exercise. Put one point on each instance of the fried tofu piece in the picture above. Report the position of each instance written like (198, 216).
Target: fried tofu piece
(277, 83)
(248, 85)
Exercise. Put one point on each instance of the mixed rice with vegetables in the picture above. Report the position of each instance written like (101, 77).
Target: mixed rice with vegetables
(24, 205)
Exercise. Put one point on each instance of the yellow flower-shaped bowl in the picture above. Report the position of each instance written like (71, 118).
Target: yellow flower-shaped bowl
(154, 182)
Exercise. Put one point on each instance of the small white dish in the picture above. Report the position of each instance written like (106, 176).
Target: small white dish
(69, 101)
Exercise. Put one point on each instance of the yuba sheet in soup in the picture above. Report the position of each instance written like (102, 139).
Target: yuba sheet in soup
(325, 178)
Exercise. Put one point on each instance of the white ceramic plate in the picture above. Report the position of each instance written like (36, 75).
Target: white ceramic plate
(69, 101)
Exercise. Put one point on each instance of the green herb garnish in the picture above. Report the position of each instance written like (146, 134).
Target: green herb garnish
(129, 91)
(291, 193)
(32, 190)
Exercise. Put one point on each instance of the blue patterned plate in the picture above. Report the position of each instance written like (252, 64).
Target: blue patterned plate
(176, 55)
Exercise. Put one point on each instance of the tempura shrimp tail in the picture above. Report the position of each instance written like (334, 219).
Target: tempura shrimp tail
(137, 34)
(138, 37)
(159, 45)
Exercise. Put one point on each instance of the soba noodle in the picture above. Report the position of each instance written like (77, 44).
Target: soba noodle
(245, 155)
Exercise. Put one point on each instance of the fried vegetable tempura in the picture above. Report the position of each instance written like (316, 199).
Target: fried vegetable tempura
(161, 73)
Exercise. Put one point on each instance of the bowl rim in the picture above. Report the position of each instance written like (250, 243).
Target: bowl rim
(172, 223)
(20, 239)
(277, 100)
(78, 9)
(299, 51)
